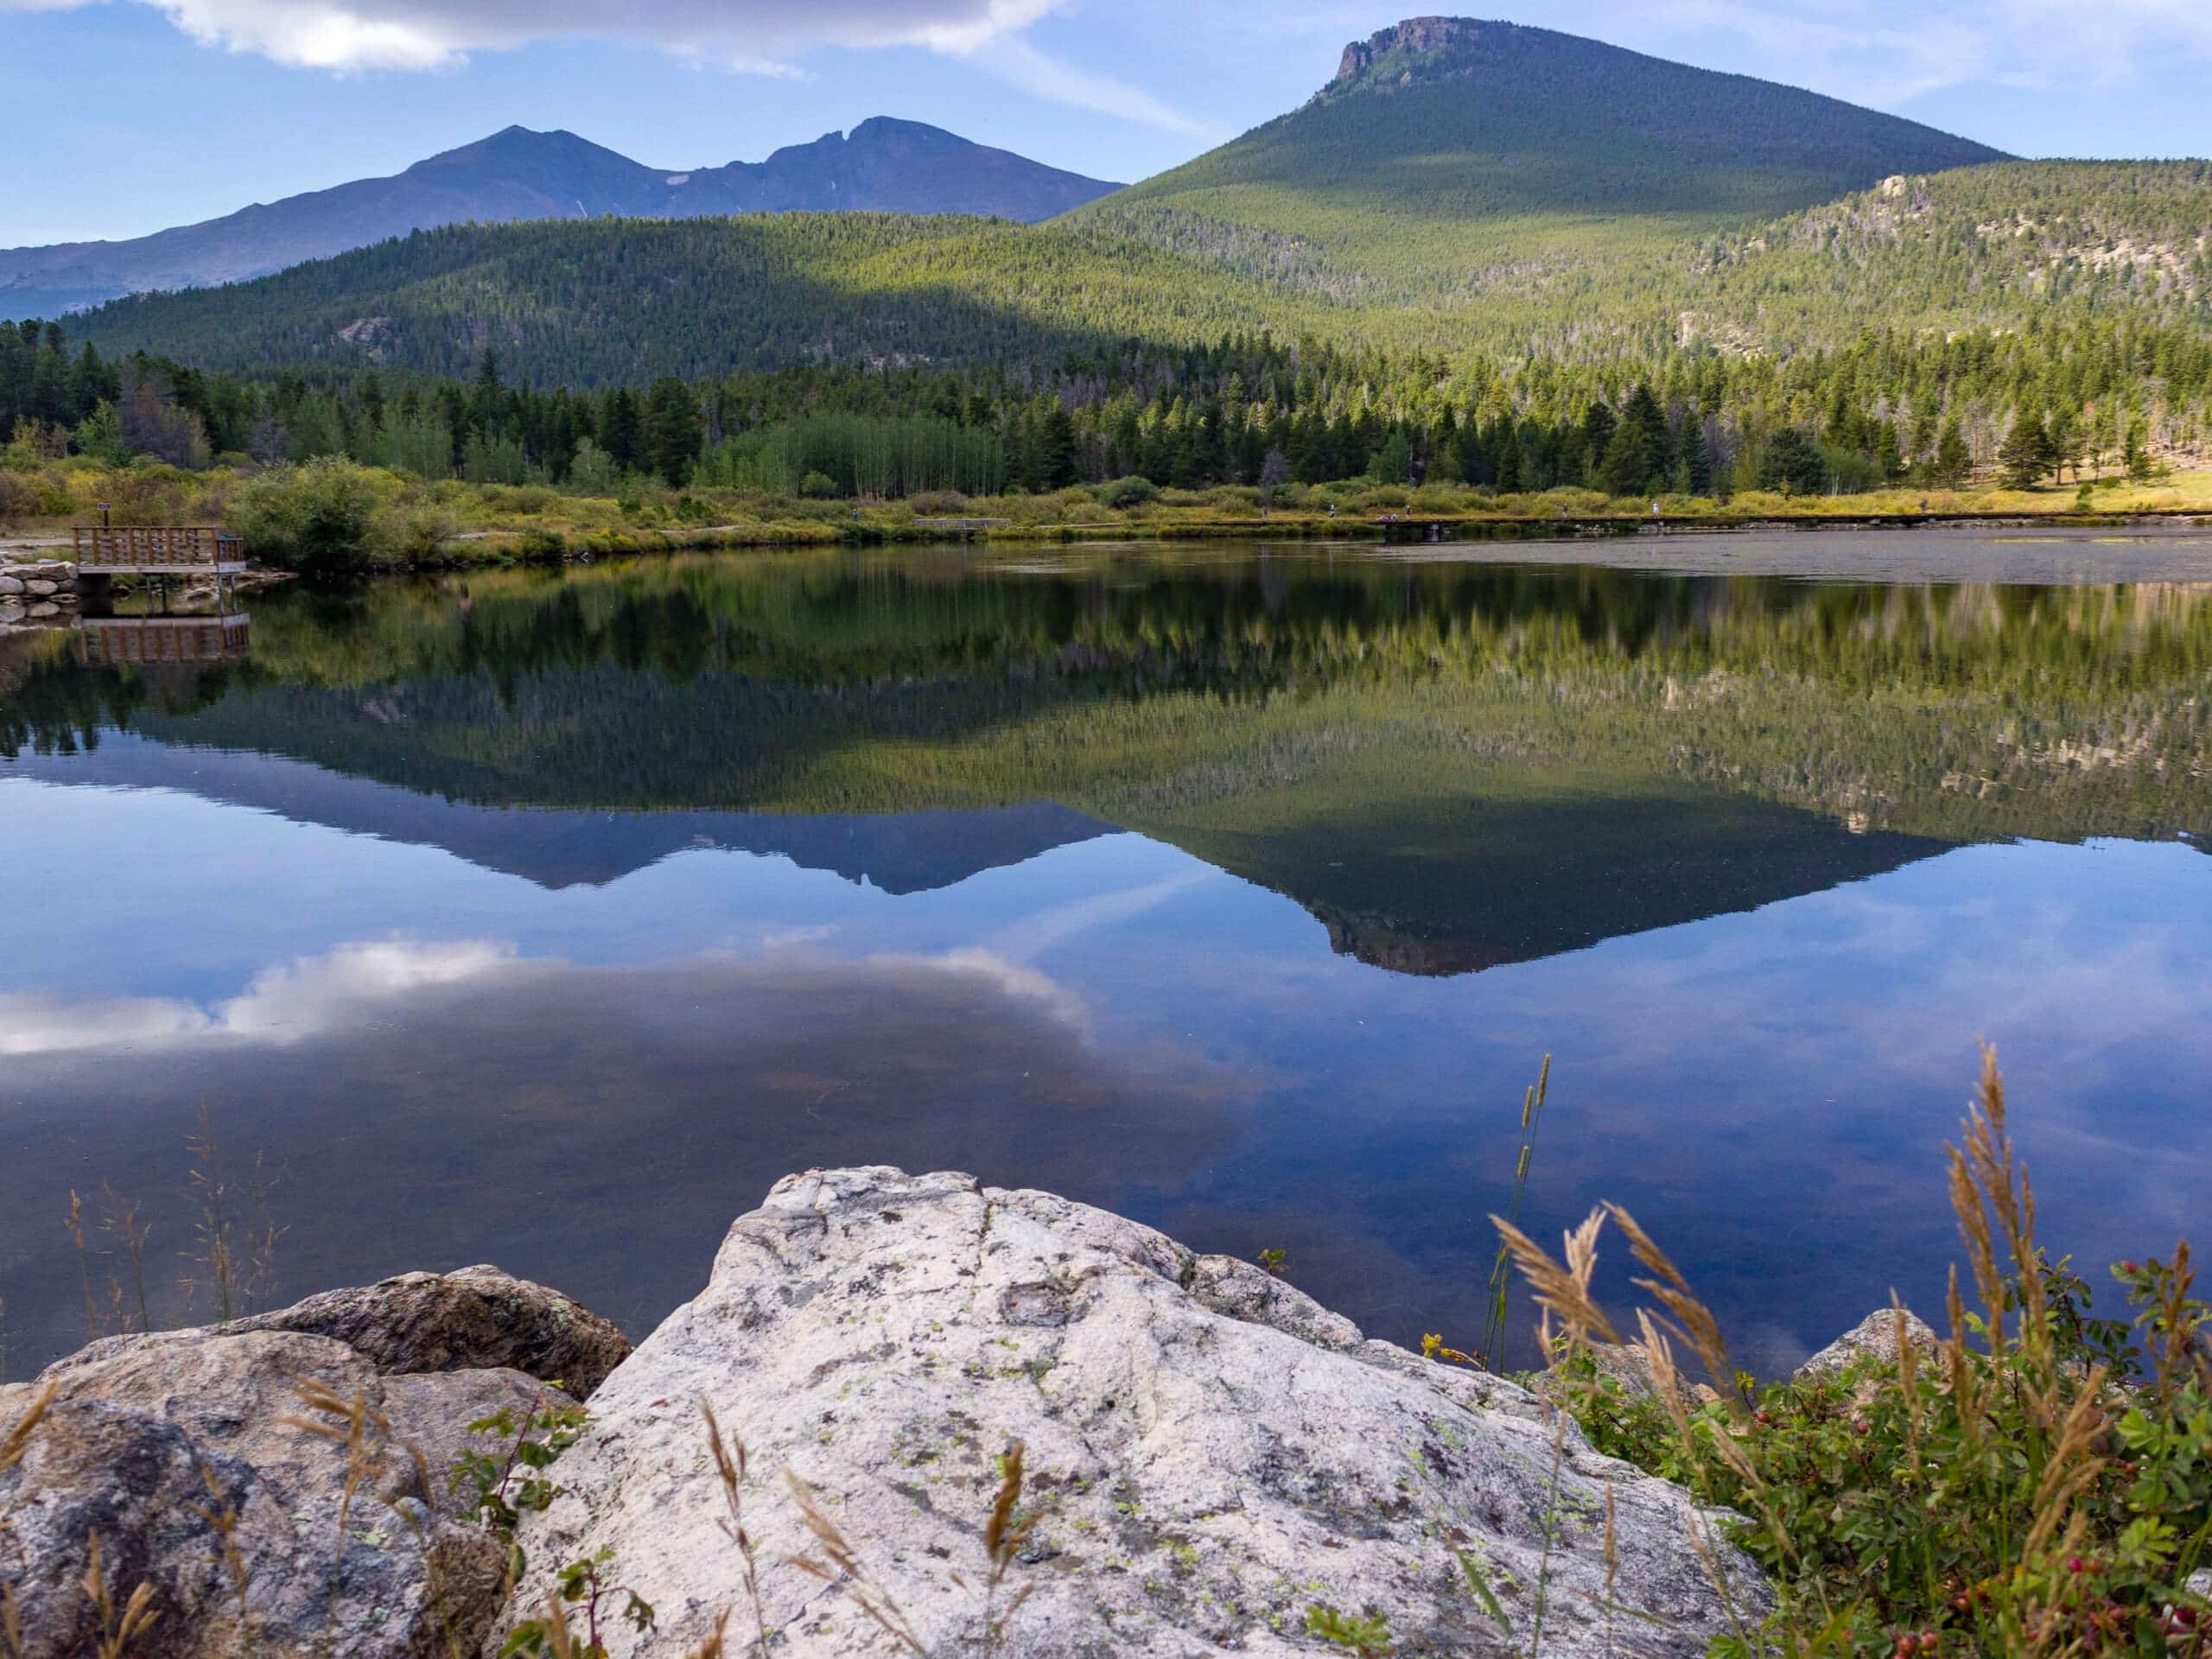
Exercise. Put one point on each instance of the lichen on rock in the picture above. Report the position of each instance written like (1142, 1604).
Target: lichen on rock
(1208, 1453)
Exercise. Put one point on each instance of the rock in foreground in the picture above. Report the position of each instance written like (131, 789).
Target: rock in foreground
(1209, 1454)
(185, 1455)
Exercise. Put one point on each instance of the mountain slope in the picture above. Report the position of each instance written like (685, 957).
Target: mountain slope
(1461, 187)
(884, 165)
(1448, 149)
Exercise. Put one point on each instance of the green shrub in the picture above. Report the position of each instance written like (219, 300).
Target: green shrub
(817, 487)
(322, 516)
(543, 546)
(2039, 1484)
(1127, 493)
(420, 533)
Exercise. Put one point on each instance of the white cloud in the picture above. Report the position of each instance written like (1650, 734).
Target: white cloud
(761, 37)
(1023, 66)
(439, 33)
(1886, 54)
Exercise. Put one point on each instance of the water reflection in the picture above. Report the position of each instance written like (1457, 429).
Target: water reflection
(558, 914)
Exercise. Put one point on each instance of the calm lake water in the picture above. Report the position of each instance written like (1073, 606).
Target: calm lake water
(547, 918)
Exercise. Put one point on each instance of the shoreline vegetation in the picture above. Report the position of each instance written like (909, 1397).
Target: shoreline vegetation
(334, 516)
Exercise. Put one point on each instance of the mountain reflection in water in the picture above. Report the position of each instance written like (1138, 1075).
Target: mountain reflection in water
(555, 914)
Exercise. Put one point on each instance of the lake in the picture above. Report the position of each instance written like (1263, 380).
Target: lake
(546, 918)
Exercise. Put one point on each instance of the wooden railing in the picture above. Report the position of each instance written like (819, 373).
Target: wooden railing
(142, 547)
(155, 641)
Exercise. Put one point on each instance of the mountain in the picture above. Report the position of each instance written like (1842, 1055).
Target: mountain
(1458, 185)
(1448, 151)
(883, 165)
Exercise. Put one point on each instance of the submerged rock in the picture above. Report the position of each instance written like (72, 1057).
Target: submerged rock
(1209, 1455)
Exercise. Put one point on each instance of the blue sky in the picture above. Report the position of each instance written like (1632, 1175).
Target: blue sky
(157, 112)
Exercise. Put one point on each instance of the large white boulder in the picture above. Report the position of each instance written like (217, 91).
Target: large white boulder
(1209, 1455)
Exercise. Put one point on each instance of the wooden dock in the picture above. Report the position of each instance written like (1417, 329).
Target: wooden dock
(158, 550)
(163, 641)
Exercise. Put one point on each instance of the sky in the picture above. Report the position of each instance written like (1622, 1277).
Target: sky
(140, 114)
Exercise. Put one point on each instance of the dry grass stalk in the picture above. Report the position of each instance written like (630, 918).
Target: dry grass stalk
(553, 1629)
(1907, 1378)
(1996, 1207)
(17, 1441)
(11, 1625)
(119, 1214)
(365, 1433)
(2179, 1349)
(713, 1646)
(839, 1564)
(1699, 1327)
(222, 1514)
(2073, 1466)
(1960, 1365)
(1667, 1382)
(1563, 1292)
(1713, 1575)
(1003, 1536)
(729, 1469)
(119, 1629)
(76, 1228)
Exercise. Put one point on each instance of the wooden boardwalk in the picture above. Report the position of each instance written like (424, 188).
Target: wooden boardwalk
(158, 550)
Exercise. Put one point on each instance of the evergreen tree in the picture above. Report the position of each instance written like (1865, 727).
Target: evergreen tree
(1693, 469)
(670, 433)
(618, 432)
(1793, 464)
(1952, 465)
(1056, 452)
(2027, 453)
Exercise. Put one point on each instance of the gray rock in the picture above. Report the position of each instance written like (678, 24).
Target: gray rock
(477, 1318)
(38, 587)
(1876, 1334)
(1208, 1453)
(11, 584)
(45, 608)
(11, 613)
(152, 1440)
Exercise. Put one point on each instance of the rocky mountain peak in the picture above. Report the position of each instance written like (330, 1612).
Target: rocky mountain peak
(1416, 36)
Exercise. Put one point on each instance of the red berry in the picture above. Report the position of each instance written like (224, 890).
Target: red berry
(2129, 1266)
(1927, 1641)
(2073, 1563)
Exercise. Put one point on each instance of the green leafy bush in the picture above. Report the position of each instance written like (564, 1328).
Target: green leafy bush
(324, 515)
(1127, 492)
(2037, 1484)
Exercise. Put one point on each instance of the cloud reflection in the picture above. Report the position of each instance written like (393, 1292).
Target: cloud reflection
(597, 1128)
(291, 1003)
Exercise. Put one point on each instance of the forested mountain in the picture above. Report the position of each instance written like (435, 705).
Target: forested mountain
(1460, 186)
(1482, 255)
(884, 165)
(1448, 152)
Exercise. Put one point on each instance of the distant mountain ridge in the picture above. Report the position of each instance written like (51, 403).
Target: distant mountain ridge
(882, 165)
(1448, 151)
(1457, 185)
